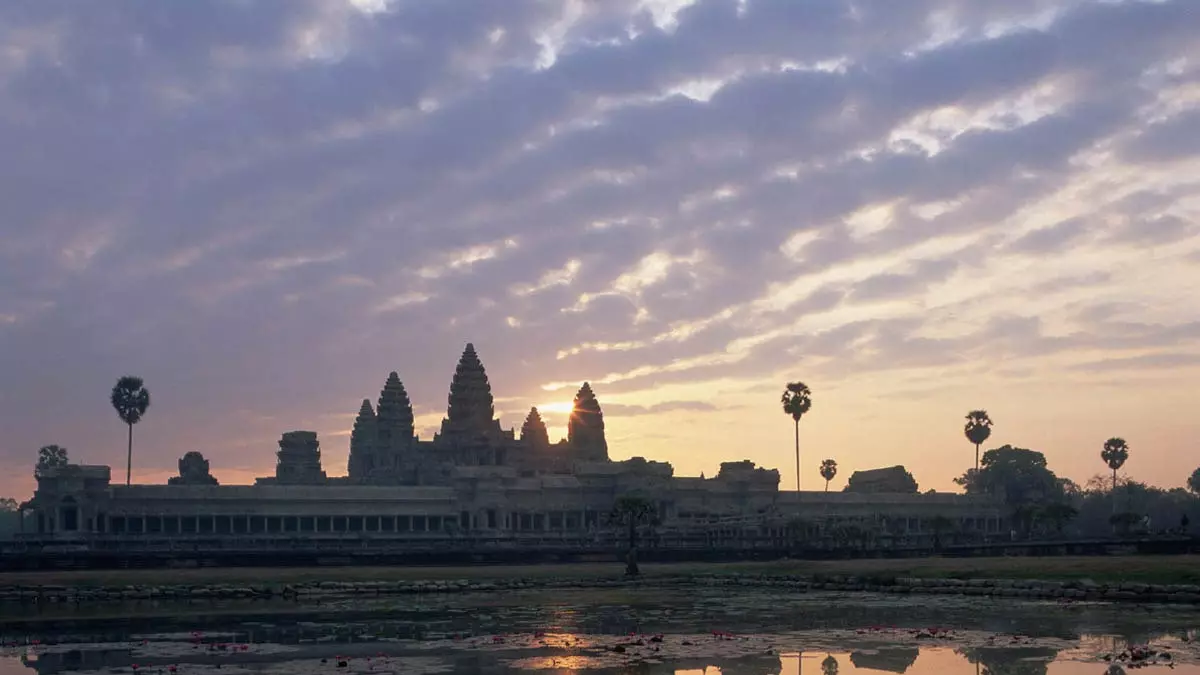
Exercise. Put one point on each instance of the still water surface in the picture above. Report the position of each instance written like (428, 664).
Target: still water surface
(706, 631)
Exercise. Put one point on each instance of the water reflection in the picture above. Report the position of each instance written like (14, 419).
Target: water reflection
(939, 661)
(893, 660)
(1011, 660)
(74, 660)
(872, 635)
(603, 612)
(911, 661)
(12, 665)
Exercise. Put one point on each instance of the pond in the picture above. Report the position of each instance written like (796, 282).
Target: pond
(710, 631)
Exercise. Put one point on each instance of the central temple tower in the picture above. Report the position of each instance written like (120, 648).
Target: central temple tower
(585, 428)
(471, 411)
(384, 448)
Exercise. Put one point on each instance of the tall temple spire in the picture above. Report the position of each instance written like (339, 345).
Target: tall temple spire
(395, 416)
(471, 408)
(585, 428)
(533, 431)
(363, 439)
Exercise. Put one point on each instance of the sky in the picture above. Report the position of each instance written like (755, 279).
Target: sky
(916, 208)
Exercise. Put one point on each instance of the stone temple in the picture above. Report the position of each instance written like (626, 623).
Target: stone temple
(475, 478)
(385, 451)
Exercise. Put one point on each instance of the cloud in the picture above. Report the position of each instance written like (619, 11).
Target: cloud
(1143, 362)
(1172, 139)
(272, 205)
(903, 284)
(1051, 239)
(1156, 230)
(625, 410)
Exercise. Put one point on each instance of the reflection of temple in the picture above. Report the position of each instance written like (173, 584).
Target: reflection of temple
(889, 659)
(473, 476)
(76, 660)
(1012, 661)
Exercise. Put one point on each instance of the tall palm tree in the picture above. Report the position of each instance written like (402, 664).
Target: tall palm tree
(978, 429)
(1114, 454)
(828, 471)
(130, 399)
(797, 400)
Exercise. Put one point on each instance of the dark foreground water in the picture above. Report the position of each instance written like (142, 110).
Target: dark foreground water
(707, 630)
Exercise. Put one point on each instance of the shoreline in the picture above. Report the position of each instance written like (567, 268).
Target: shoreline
(1066, 590)
(1151, 569)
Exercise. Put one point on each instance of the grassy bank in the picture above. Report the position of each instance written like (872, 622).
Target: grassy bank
(1147, 569)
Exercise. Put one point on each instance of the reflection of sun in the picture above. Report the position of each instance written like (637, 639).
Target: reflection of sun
(561, 663)
(564, 664)
(565, 641)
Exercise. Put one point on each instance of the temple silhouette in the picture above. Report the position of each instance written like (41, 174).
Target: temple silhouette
(475, 478)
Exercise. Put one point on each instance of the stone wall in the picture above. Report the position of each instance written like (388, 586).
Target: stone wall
(488, 500)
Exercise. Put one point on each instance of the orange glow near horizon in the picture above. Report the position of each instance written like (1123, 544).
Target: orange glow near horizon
(558, 407)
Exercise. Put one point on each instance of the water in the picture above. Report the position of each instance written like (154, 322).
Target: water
(709, 631)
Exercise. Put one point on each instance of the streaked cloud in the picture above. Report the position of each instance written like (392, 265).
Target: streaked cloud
(910, 206)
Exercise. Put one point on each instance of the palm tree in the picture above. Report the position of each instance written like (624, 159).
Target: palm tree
(632, 511)
(797, 400)
(828, 471)
(1114, 454)
(978, 429)
(130, 399)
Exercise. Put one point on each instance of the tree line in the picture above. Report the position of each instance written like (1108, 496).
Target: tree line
(1039, 500)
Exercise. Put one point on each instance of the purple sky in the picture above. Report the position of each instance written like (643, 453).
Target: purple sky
(917, 208)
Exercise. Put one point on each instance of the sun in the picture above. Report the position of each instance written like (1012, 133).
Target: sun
(556, 407)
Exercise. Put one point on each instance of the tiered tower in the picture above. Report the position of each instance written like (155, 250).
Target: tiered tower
(471, 412)
(394, 422)
(585, 428)
(534, 432)
(299, 459)
(363, 438)
(381, 437)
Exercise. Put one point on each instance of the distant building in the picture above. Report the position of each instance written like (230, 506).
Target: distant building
(892, 479)
(473, 478)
